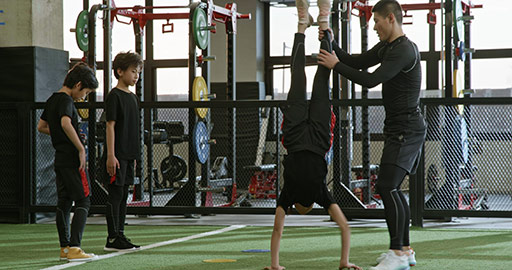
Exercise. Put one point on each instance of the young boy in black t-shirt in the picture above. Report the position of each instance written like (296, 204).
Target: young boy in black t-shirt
(60, 121)
(307, 136)
(123, 146)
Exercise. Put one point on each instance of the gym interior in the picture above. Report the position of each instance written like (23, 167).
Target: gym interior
(216, 74)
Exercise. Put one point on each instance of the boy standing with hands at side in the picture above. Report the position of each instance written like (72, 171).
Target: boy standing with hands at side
(123, 146)
(60, 121)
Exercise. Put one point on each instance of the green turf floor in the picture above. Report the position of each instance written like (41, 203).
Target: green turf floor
(36, 246)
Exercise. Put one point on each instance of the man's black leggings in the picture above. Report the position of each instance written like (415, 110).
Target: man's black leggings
(395, 205)
(116, 209)
(303, 124)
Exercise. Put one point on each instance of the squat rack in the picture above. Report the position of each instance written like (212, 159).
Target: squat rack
(227, 15)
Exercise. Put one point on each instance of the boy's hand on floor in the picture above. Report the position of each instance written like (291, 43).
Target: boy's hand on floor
(274, 268)
(350, 266)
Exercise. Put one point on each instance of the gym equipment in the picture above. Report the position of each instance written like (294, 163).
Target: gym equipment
(83, 113)
(459, 51)
(201, 142)
(200, 19)
(360, 186)
(458, 19)
(263, 181)
(200, 93)
(264, 178)
(81, 30)
(201, 29)
(201, 59)
(173, 168)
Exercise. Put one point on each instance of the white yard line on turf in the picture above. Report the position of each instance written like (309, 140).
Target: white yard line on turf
(165, 243)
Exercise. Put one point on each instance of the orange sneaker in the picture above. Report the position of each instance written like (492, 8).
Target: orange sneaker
(76, 254)
(64, 253)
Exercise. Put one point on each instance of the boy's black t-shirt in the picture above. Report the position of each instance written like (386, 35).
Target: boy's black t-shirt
(59, 105)
(123, 108)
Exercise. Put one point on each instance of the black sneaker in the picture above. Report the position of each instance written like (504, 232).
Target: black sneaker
(128, 240)
(117, 244)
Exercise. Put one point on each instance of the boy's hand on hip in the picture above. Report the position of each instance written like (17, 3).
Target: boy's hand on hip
(112, 165)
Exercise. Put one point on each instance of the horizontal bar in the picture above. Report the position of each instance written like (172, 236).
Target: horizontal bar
(153, 16)
(150, 7)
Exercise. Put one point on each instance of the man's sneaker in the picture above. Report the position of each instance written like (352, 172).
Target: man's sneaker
(382, 257)
(128, 240)
(411, 257)
(64, 253)
(117, 244)
(391, 261)
(76, 254)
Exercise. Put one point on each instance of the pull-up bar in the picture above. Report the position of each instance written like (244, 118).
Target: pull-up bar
(224, 15)
(366, 10)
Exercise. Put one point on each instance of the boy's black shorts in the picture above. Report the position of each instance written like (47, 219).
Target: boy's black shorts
(125, 174)
(72, 183)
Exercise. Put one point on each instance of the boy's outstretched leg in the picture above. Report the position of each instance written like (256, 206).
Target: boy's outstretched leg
(296, 111)
(320, 114)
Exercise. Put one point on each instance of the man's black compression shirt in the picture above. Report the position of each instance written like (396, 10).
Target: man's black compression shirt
(399, 73)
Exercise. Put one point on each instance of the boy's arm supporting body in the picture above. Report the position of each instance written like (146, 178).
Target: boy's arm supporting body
(336, 214)
(338, 217)
(275, 242)
(73, 137)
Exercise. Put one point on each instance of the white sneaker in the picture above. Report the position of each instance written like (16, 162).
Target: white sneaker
(411, 257)
(390, 261)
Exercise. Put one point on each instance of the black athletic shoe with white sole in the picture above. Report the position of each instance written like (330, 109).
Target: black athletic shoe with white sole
(117, 244)
(128, 240)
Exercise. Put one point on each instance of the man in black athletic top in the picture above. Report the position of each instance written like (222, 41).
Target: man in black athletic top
(307, 136)
(404, 127)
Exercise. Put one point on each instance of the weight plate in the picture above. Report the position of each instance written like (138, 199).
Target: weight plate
(172, 168)
(199, 23)
(200, 93)
(81, 30)
(200, 142)
(84, 113)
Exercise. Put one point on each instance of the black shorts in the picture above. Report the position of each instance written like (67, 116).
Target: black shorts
(125, 175)
(403, 149)
(304, 181)
(72, 184)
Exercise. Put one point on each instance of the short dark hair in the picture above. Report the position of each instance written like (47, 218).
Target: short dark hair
(124, 60)
(386, 7)
(81, 72)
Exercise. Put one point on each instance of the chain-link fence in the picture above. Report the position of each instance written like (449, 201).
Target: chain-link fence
(232, 158)
(467, 157)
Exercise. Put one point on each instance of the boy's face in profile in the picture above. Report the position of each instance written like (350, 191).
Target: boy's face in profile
(79, 94)
(130, 76)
